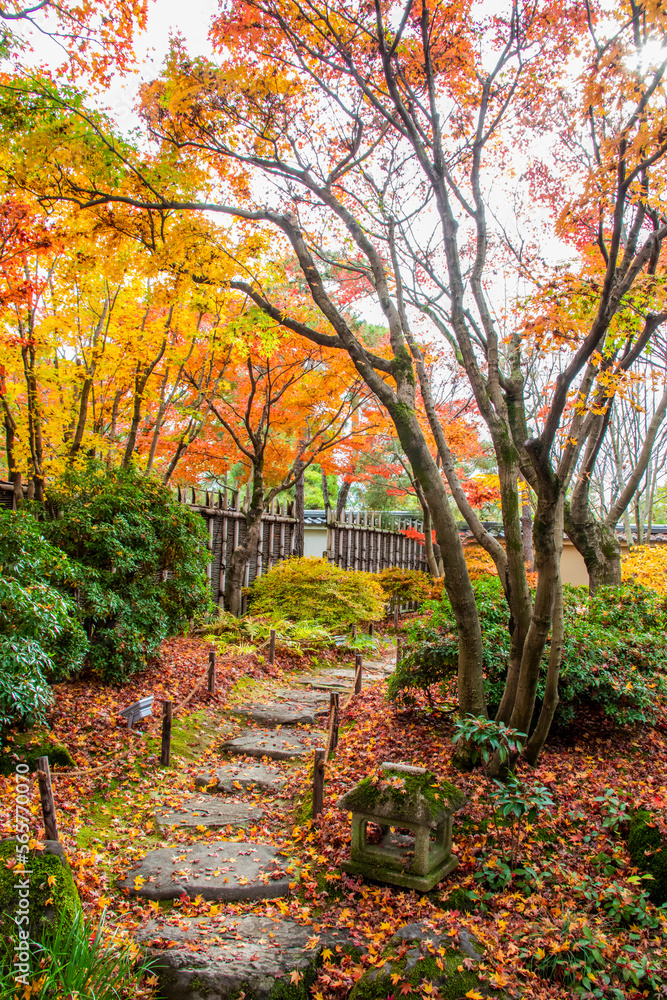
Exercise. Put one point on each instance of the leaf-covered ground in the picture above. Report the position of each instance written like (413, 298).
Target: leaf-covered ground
(573, 894)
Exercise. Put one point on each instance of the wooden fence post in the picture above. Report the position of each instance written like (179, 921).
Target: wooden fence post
(334, 710)
(167, 707)
(318, 782)
(211, 673)
(46, 796)
(357, 673)
(370, 630)
(396, 617)
(272, 646)
(398, 649)
(354, 633)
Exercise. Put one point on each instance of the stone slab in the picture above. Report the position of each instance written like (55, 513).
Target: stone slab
(222, 870)
(283, 714)
(323, 683)
(234, 956)
(318, 701)
(229, 777)
(345, 672)
(276, 744)
(205, 810)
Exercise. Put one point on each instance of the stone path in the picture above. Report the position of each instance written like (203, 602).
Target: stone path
(241, 955)
(284, 714)
(206, 810)
(214, 870)
(233, 777)
(276, 744)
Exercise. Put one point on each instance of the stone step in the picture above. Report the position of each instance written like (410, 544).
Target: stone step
(235, 956)
(221, 870)
(207, 810)
(276, 744)
(318, 701)
(283, 714)
(229, 777)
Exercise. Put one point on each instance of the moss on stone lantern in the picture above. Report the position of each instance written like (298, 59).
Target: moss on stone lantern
(399, 797)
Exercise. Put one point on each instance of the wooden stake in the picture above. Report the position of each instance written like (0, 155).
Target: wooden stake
(396, 618)
(334, 710)
(318, 782)
(46, 796)
(398, 648)
(167, 707)
(272, 646)
(358, 670)
(370, 629)
(354, 633)
(211, 673)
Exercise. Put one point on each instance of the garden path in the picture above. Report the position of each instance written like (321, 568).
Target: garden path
(232, 954)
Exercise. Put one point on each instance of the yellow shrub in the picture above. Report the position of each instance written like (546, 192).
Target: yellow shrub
(647, 564)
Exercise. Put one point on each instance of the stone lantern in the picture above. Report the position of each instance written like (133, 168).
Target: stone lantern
(400, 797)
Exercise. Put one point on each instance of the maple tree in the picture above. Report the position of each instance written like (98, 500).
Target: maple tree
(346, 206)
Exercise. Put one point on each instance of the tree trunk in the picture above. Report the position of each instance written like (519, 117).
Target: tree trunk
(13, 471)
(527, 534)
(326, 499)
(538, 633)
(243, 553)
(342, 498)
(551, 698)
(428, 533)
(457, 581)
(599, 547)
(299, 508)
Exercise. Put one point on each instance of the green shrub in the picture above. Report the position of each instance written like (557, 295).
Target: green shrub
(315, 590)
(649, 853)
(41, 638)
(403, 585)
(140, 557)
(614, 653)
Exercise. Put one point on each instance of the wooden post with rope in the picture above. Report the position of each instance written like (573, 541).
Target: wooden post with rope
(46, 797)
(272, 646)
(167, 707)
(318, 782)
(211, 674)
(334, 720)
(358, 670)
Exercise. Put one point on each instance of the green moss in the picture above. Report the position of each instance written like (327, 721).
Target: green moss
(27, 747)
(458, 899)
(367, 795)
(649, 853)
(60, 900)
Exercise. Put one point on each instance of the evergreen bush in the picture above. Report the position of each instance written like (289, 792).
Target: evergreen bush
(317, 591)
(41, 638)
(614, 652)
(141, 562)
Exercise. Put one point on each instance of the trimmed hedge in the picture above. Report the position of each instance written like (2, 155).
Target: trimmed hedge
(314, 590)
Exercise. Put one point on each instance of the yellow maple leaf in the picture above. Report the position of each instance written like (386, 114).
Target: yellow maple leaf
(296, 977)
(327, 955)
(474, 995)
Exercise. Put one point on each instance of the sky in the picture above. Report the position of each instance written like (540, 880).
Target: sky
(165, 18)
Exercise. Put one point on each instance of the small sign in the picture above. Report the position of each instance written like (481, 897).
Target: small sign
(139, 710)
